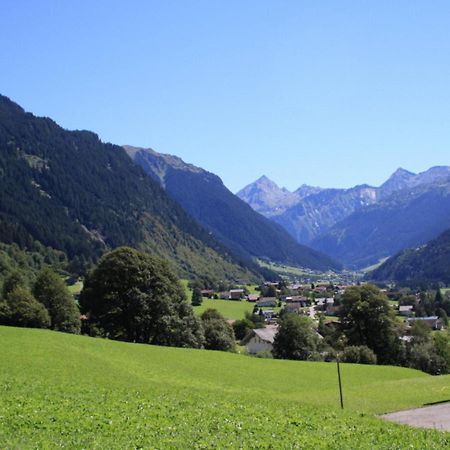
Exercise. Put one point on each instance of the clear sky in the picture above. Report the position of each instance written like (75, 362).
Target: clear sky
(330, 93)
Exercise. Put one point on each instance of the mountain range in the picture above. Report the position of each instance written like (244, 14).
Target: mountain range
(363, 224)
(229, 219)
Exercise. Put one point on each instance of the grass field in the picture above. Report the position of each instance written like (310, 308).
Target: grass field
(59, 390)
(230, 309)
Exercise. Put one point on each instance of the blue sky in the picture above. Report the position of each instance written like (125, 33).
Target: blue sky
(329, 93)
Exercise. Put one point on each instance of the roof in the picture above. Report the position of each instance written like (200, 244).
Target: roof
(423, 318)
(266, 334)
(236, 290)
(405, 307)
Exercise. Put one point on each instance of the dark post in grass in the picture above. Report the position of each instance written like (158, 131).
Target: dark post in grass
(340, 384)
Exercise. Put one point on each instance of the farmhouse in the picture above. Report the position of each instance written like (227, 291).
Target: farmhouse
(260, 339)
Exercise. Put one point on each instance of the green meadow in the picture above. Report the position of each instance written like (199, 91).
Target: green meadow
(230, 309)
(59, 390)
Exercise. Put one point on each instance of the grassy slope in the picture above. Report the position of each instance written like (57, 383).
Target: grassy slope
(58, 389)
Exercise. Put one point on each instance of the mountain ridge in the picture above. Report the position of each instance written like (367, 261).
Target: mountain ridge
(231, 220)
(69, 191)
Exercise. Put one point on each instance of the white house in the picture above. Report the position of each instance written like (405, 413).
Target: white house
(260, 339)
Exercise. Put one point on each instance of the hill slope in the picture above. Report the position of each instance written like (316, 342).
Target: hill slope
(74, 193)
(80, 392)
(426, 264)
(204, 196)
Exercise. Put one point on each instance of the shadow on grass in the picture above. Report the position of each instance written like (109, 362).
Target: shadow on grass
(436, 403)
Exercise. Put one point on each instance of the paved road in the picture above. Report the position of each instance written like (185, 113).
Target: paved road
(436, 416)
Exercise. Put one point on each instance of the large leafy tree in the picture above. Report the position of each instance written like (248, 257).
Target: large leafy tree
(367, 319)
(50, 290)
(295, 339)
(132, 296)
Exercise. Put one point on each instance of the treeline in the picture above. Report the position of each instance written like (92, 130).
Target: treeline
(46, 303)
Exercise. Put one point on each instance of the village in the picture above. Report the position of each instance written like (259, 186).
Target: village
(320, 302)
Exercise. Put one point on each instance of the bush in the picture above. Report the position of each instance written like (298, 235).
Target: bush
(242, 327)
(218, 333)
(358, 354)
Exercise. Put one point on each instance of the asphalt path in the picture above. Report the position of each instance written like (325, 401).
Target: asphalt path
(435, 416)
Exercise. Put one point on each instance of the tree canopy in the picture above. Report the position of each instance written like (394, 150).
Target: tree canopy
(367, 319)
(295, 339)
(50, 290)
(132, 296)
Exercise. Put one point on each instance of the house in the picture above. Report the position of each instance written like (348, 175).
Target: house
(299, 299)
(293, 307)
(236, 294)
(434, 322)
(225, 295)
(269, 302)
(252, 297)
(208, 293)
(405, 310)
(260, 339)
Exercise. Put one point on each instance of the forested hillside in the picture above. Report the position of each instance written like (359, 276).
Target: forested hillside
(69, 191)
(231, 220)
(427, 264)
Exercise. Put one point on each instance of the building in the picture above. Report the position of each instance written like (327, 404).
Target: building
(252, 297)
(260, 339)
(434, 322)
(267, 302)
(405, 310)
(236, 294)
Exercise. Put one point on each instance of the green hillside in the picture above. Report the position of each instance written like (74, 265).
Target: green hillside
(69, 191)
(59, 390)
(426, 264)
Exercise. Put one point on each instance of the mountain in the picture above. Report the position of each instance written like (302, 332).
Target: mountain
(363, 224)
(317, 213)
(68, 191)
(429, 263)
(229, 219)
(408, 218)
(267, 198)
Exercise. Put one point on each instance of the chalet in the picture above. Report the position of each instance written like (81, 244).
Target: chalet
(269, 302)
(252, 297)
(434, 322)
(236, 294)
(260, 339)
(405, 310)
